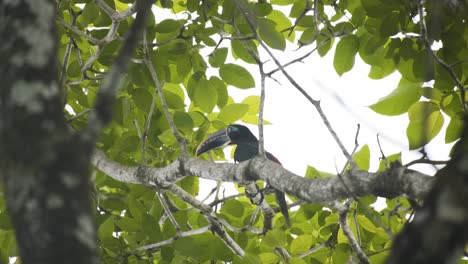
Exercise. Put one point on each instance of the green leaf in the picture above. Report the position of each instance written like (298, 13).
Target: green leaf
(221, 88)
(218, 57)
(275, 238)
(135, 208)
(142, 99)
(389, 159)
(269, 34)
(128, 224)
(90, 13)
(262, 8)
(167, 26)
(426, 120)
(167, 137)
(233, 207)
(151, 227)
(345, 54)
(239, 51)
(423, 66)
(451, 104)
(268, 258)
(190, 184)
(297, 260)
(324, 42)
(298, 8)
(184, 122)
(454, 130)
(190, 247)
(205, 95)
(237, 76)
(362, 158)
(233, 112)
(174, 101)
(302, 244)
(282, 23)
(248, 258)
(390, 25)
(312, 173)
(254, 103)
(378, 8)
(106, 228)
(365, 223)
(398, 101)
(308, 36)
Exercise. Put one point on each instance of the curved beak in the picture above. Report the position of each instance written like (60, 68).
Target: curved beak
(216, 140)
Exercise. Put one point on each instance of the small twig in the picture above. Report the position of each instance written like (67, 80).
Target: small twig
(66, 58)
(283, 253)
(224, 199)
(91, 60)
(356, 226)
(424, 160)
(168, 212)
(216, 225)
(149, 64)
(301, 58)
(313, 250)
(77, 31)
(261, 145)
(343, 220)
(171, 240)
(383, 157)
(150, 116)
(86, 111)
(105, 7)
(137, 127)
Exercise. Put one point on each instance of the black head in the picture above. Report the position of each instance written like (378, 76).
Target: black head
(233, 134)
(239, 134)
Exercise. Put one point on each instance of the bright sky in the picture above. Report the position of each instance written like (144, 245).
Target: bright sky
(298, 136)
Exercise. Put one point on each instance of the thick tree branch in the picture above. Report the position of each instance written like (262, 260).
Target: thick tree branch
(395, 181)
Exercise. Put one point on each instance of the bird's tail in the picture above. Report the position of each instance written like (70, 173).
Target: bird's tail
(281, 200)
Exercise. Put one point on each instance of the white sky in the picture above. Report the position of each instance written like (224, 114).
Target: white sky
(298, 136)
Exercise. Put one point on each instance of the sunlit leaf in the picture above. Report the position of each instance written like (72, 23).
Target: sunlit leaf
(205, 96)
(237, 76)
(233, 112)
(345, 53)
(269, 34)
(362, 158)
(426, 121)
(302, 244)
(218, 57)
(399, 100)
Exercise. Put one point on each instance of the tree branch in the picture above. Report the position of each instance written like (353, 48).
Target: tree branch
(395, 181)
(102, 113)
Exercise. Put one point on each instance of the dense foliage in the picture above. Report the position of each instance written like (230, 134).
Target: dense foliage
(186, 53)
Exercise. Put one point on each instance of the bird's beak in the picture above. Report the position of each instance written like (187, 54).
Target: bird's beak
(216, 140)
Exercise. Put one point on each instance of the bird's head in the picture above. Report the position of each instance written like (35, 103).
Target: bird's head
(231, 135)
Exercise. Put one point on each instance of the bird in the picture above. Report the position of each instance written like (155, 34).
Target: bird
(246, 148)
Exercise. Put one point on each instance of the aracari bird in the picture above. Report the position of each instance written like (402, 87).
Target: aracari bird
(247, 148)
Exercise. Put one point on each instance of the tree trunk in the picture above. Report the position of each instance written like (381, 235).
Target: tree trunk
(44, 166)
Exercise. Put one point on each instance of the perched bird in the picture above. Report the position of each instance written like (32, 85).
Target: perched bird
(247, 148)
